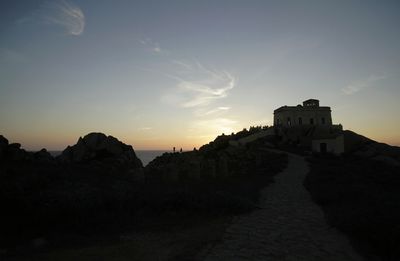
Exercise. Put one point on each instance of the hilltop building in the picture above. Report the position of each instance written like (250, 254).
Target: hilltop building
(308, 114)
(310, 126)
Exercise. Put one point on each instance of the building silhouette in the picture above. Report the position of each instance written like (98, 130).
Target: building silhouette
(310, 113)
(310, 126)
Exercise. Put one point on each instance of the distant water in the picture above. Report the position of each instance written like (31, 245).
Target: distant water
(144, 155)
(148, 155)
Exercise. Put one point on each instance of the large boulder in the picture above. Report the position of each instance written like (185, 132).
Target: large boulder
(100, 147)
(43, 156)
(15, 153)
(3, 142)
(12, 152)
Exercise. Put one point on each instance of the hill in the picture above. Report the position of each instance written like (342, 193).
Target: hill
(98, 188)
(359, 194)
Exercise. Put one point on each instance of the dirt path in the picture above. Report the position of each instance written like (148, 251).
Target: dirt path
(288, 227)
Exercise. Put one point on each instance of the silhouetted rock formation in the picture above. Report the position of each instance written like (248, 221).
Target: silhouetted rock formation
(12, 152)
(98, 147)
(92, 184)
(43, 156)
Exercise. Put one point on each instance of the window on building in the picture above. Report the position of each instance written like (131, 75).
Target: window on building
(278, 121)
(289, 122)
(323, 121)
(312, 121)
(300, 121)
(323, 147)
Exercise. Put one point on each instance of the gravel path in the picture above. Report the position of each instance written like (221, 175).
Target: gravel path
(288, 227)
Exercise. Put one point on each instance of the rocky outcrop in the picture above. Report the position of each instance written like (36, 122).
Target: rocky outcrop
(43, 156)
(12, 152)
(92, 183)
(98, 147)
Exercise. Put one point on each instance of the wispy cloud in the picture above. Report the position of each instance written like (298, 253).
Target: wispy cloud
(183, 65)
(360, 85)
(60, 13)
(199, 89)
(152, 46)
(214, 112)
(200, 86)
(67, 15)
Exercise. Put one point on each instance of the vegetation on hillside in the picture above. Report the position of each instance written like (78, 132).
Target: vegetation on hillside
(361, 198)
(101, 196)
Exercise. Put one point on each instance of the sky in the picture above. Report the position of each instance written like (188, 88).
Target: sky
(163, 74)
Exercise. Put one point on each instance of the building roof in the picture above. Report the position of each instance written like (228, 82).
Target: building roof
(302, 108)
(311, 100)
(308, 105)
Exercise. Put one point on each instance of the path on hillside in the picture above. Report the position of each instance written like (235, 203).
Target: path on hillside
(288, 227)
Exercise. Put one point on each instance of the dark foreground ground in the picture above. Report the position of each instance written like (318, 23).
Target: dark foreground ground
(361, 198)
(90, 211)
(98, 210)
(173, 237)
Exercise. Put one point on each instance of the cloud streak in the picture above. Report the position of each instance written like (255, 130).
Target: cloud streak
(61, 13)
(152, 46)
(213, 112)
(360, 85)
(199, 86)
(66, 15)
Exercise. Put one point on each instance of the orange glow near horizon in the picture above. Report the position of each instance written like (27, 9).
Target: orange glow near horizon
(56, 143)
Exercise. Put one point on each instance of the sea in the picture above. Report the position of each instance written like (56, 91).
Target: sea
(148, 155)
(144, 155)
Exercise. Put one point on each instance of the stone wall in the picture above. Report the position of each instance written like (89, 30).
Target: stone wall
(334, 145)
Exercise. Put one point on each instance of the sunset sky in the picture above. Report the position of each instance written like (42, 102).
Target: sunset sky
(158, 74)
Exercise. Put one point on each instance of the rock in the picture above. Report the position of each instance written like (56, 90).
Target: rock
(14, 146)
(3, 142)
(93, 140)
(15, 153)
(99, 147)
(79, 151)
(114, 146)
(43, 155)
